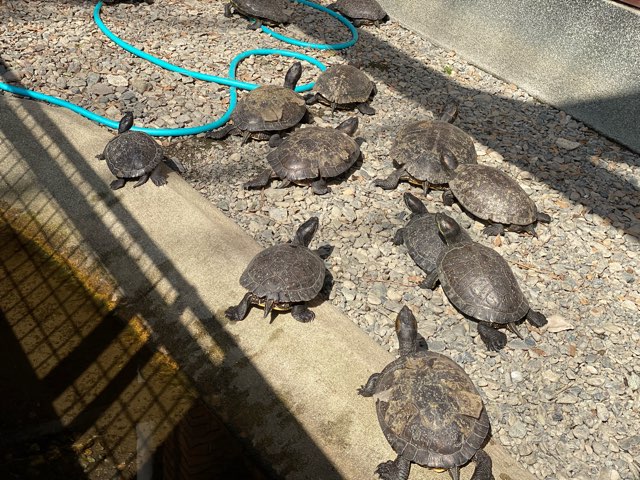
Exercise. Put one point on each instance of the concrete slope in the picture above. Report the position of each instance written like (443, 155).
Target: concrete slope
(581, 56)
(287, 389)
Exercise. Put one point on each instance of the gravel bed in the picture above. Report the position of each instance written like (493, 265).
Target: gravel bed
(565, 401)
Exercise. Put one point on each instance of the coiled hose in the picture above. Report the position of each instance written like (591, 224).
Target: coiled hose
(229, 81)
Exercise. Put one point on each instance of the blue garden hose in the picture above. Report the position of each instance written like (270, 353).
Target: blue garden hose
(229, 81)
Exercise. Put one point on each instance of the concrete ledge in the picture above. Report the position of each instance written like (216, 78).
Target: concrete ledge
(581, 56)
(288, 389)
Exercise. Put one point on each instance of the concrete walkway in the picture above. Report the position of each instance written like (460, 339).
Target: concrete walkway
(288, 389)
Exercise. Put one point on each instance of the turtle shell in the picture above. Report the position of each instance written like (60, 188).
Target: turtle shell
(285, 273)
(430, 411)
(480, 283)
(361, 9)
(344, 84)
(423, 241)
(491, 194)
(418, 146)
(269, 108)
(132, 154)
(276, 11)
(314, 152)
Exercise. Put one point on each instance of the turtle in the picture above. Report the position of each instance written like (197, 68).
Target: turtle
(494, 196)
(345, 87)
(269, 12)
(429, 409)
(479, 282)
(311, 155)
(284, 277)
(360, 12)
(420, 149)
(264, 112)
(421, 235)
(135, 155)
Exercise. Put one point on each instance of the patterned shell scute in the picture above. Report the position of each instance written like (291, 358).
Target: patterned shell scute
(418, 147)
(269, 108)
(274, 10)
(314, 152)
(481, 284)
(365, 9)
(430, 410)
(490, 194)
(285, 273)
(132, 154)
(344, 84)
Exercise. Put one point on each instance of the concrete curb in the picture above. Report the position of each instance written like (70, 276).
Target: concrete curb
(288, 389)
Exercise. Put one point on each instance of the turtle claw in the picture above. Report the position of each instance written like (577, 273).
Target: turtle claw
(157, 178)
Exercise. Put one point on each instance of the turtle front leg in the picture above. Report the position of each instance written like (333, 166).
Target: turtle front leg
(448, 198)
(275, 140)
(118, 183)
(391, 181)
(221, 133)
(324, 251)
(227, 10)
(302, 313)
(366, 109)
(398, 238)
(483, 466)
(320, 187)
(260, 181)
(536, 319)
(369, 388)
(397, 469)
(239, 312)
(494, 339)
(158, 177)
(430, 281)
(255, 25)
(100, 156)
(493, 230)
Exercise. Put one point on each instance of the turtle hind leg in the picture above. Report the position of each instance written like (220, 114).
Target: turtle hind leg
(302, 313)
(391, 181)
(157, 176)
(239, 312)
(369, 388)
(536, 319)
(275, 140)
(320, 187)
(483, 466)
(260, 181)
(255, 25)
(101, 156)
(492, 338)
(117, 183)
(366, 109)
(397, 469)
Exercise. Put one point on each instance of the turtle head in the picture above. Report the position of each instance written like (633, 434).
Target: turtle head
(349, 126)
(414, 204)
(125, 123)
(448, 161)
(407, 331)
(293, 75)
(449, 113)
(305, 232)
(449, 229)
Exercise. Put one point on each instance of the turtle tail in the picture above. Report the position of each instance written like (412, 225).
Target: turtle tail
(268, 306)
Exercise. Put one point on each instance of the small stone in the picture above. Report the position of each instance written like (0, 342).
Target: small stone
(518, 430)
(117, 81)
(516, 376)
(567, 144)
(567, 399)
(557, 323)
